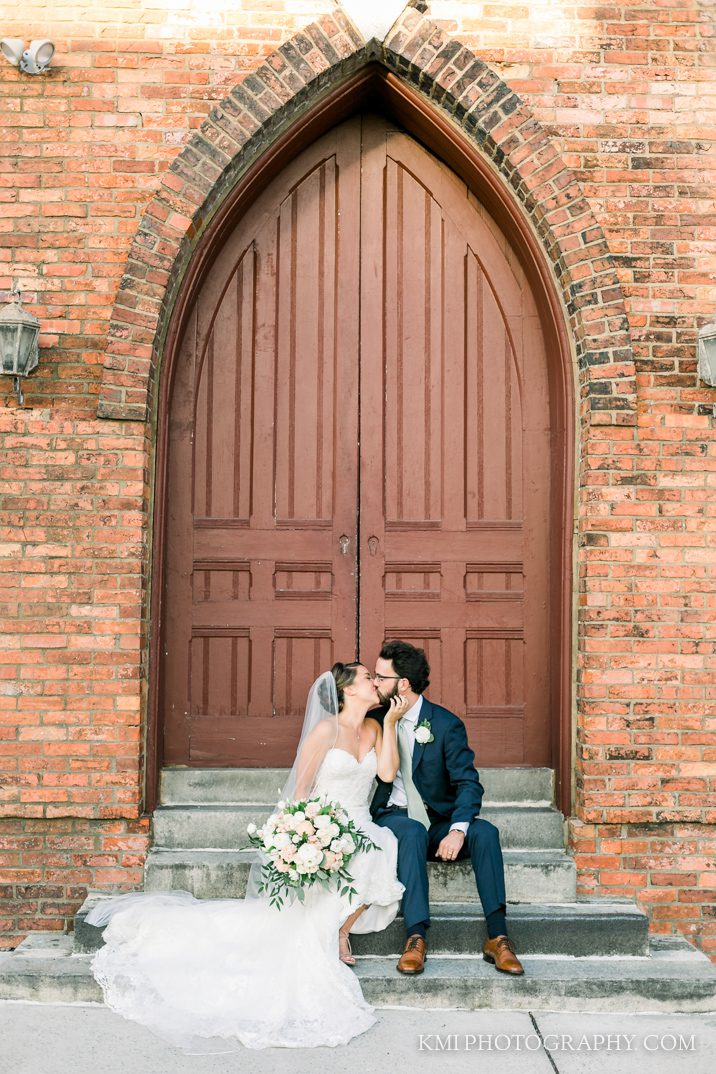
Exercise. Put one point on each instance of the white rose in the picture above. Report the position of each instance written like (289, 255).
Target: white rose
(298, 817)
(308, 858)
(281, 840)
(348, 844)
(321, 821)
(422, 735)
(312, 809)
(251, 829)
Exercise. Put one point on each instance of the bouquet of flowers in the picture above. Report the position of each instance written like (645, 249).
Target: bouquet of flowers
(306, 843)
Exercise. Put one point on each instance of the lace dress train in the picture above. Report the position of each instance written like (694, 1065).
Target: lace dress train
(206, 975)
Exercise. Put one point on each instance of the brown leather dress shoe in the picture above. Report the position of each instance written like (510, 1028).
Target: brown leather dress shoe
(502, 955)
(412, 959)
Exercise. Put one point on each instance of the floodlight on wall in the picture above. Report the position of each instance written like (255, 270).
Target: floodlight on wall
(33, 60)
(707, 354)
(19, 330)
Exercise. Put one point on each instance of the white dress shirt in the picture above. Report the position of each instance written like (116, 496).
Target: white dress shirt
(397, 795)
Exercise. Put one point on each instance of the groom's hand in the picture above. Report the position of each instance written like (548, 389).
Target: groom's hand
(450, 846)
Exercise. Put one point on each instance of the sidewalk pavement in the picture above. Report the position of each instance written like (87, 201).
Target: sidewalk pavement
(41, 1038)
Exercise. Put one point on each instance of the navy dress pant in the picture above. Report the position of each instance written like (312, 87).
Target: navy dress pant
(417, 845)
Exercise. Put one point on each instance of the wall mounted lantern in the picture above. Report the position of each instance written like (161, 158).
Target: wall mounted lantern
(31, 61)
(707, 354)
(19, 330)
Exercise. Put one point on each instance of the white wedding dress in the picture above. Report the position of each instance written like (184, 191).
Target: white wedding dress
(206, 974)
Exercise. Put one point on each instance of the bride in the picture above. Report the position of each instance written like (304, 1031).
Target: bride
(206, 974)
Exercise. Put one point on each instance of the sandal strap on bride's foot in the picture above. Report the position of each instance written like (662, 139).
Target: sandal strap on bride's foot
(348, 957)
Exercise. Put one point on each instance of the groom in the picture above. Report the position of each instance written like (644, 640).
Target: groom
(432, 808)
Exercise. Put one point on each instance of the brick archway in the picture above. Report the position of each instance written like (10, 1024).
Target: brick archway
(462, 90)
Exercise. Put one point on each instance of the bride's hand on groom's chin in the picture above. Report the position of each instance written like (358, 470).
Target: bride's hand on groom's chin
(396, 710)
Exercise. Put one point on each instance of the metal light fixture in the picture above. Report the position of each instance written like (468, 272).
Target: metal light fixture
(19, 330)
(33, 60)
(707, 354)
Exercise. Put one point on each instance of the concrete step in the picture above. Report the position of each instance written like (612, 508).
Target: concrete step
(216, 786)
(223, 827)
(535, 876)
(673, 978)
(581, 929)
(585, 928)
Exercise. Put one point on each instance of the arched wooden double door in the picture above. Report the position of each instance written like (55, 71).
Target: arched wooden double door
(359, 448)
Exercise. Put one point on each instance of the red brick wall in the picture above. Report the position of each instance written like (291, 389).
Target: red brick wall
(628, 91)
(71, 552)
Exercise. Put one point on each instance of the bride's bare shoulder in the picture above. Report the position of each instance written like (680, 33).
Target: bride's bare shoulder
(374, 726)
(324, 731)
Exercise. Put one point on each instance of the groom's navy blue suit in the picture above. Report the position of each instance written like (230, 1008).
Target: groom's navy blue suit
(444, 775)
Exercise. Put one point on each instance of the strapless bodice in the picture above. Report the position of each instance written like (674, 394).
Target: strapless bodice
(342, 778)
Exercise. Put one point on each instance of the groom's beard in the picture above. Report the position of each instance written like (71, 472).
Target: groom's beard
(385, 698)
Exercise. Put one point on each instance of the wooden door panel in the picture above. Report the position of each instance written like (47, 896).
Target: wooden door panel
(413, 372)
(494, 474)
(304, 431)
(219, 665)
(266, 459)
(224, 388)
(299, 658)
(364, 359)
(454, 507)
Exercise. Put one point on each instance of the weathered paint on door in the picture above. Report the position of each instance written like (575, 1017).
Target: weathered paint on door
(359, 448)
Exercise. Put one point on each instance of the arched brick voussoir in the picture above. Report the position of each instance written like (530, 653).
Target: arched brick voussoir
(231, 138)
(257, 111)
(495, 118)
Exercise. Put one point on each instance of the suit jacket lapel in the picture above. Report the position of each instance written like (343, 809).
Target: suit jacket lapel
(419, 748)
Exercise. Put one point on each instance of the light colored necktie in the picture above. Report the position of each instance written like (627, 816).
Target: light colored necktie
(416, 808)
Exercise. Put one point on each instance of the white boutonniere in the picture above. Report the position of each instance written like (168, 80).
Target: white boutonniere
(424, 733)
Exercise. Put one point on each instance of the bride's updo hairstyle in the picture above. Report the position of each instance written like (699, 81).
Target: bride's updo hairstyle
(343, 675)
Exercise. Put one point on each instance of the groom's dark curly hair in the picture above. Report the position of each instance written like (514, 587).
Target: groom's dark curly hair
(410, 663)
